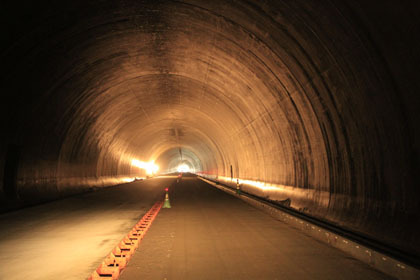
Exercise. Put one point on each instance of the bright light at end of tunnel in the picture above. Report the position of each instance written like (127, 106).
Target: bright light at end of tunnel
(183, 168)
(150, 167)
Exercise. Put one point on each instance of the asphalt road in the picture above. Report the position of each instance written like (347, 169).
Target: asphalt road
(69, 238)
(208, 234)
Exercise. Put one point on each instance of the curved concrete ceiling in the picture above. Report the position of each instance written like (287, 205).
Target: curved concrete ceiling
(308, 95)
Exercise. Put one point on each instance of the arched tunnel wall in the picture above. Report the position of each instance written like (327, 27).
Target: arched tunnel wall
(319, 100)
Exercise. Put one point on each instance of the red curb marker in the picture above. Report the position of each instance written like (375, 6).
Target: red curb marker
(117, 260)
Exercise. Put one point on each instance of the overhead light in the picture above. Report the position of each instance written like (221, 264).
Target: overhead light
(149, 167)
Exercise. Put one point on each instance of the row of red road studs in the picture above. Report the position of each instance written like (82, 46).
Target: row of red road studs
(117, 260)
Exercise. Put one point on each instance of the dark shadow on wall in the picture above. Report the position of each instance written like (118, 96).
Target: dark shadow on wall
(11, 166)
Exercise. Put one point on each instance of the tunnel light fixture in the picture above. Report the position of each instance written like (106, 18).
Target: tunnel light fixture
(128, 180)
(149, 167)
(183, 168)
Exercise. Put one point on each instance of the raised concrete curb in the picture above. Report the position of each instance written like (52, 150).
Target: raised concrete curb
(377, 260)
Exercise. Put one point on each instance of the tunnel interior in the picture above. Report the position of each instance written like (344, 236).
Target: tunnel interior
(318, 101)
(178, 160)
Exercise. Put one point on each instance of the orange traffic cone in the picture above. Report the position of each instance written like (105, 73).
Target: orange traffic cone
(166, 203)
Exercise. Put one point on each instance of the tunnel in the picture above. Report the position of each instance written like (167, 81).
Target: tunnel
(311, 102)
